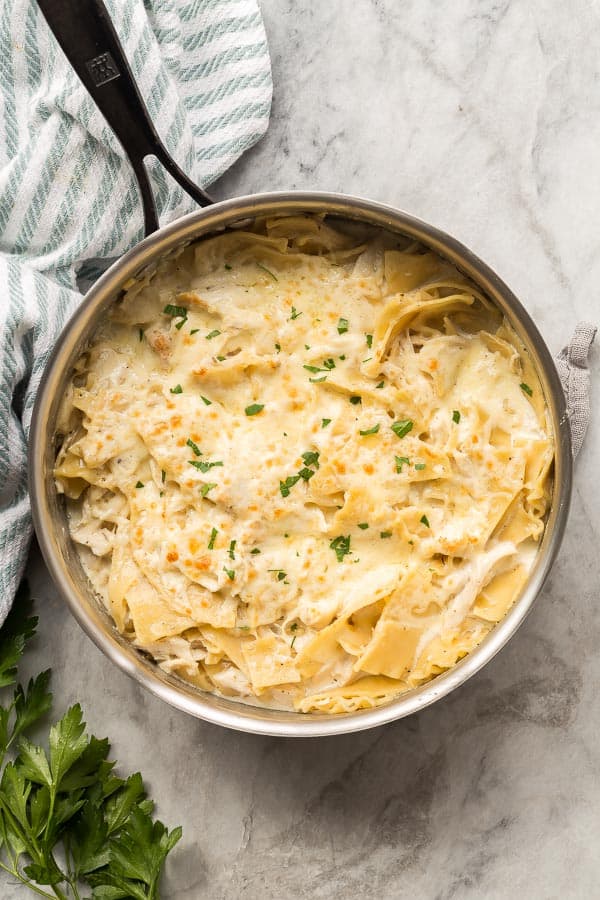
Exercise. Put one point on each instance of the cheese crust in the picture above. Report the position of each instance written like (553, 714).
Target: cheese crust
(305, 467)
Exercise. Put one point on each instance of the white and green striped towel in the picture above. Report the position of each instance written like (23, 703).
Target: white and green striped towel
(67, 196)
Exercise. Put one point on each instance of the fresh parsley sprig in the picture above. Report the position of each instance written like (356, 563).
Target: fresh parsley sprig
(66, 820)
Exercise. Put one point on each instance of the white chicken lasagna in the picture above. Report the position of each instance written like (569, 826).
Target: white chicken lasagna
(305, 468)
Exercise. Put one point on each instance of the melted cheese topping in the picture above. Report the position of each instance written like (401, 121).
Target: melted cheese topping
(304, 471)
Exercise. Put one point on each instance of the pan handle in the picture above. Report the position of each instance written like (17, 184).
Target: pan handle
(87, 35)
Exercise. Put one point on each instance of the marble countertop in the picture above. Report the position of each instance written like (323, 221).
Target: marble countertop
(483, 118)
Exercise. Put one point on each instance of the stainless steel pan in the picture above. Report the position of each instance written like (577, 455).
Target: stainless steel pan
(94, 36)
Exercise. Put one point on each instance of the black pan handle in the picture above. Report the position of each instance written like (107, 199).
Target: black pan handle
(85, 32)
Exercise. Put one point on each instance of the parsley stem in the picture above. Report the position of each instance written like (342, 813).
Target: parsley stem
(32, 887)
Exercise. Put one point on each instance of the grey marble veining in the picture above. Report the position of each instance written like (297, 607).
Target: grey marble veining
(483, 117)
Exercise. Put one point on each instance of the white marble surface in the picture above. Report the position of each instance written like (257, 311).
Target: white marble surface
(482, 116)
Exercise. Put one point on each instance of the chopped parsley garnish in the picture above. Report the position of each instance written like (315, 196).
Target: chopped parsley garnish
(228, 267)
(368, 359)
(402, 427)
(328, 364)
(232, 549)
(268, 271)
(355, 400)
(254, 409)
(342, 326)
(401, 461)
(286, 486)
(318, 380)
(213, 536)
(163, 475)
(255, 551)
(179, 325)
(207, 487)
(385, 534)
(372, 430)
(140, 484)
(194, 331)
(206, 400)
(526, 388)
(229, 572)
(177, 312)
(424, 521)
(363, 525)
(379, 386)
(295, 314)
(177, 389)
(343, 357)
(221, 358)
(313, 369)
(325, 423)
(281, 575)
(141, 334)
(311, 458)
(456, 416)
(419, 466)
(369, 338)
(212, 334)
(293, 642)
(341, 546)
(203, 466)
(278, 347)
(194, 447)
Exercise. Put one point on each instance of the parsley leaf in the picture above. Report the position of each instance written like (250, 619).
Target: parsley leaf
(419, 466)
(355, 400)
(369, 338)
(281, 575)
(372, 430)
(526, 389)
(140, 484)
(232, 549)
(363, 525)
(295, 314)
(254, 409)
(213, 535)
(311, 458)
(177, 312)
(325, 423)
(342, 326)
(424, 521)
(207, 487)
(385, 534)
(194, 447)
(206, 400)
(177, 389)
(401, 461)
(402, 427)
(212, 334)
(65, 803)
(288, 484)
(203, 466)
(230, 573)
(341, 546)
(456, 416)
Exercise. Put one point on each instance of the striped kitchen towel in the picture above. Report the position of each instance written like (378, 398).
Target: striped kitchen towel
(68, 199)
